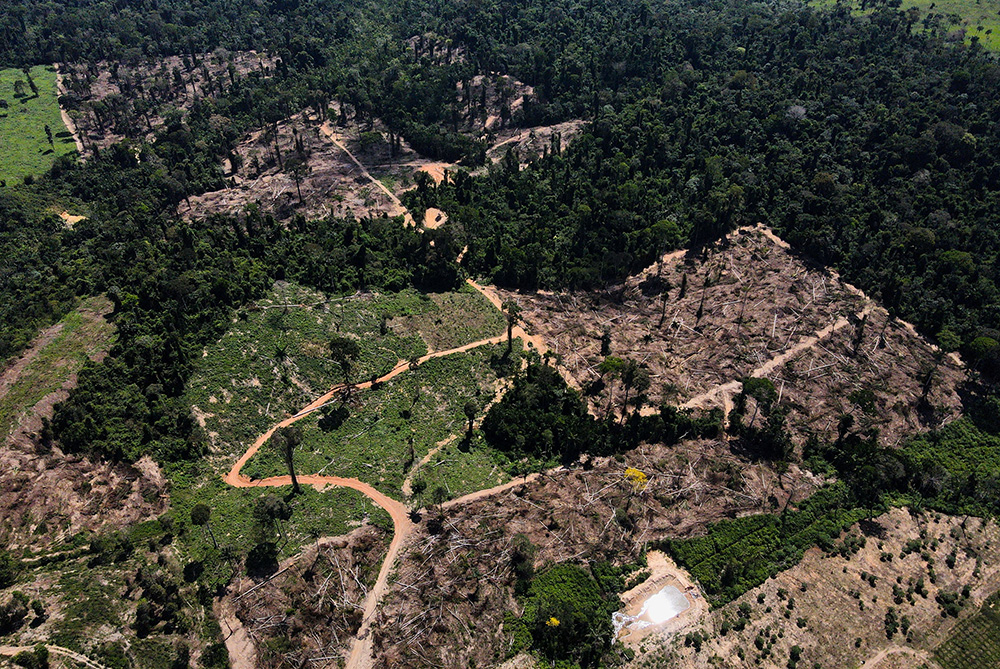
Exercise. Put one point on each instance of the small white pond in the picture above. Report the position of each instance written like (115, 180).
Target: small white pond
(659, 607)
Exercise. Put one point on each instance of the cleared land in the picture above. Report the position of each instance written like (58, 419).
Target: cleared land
(24, 115)
(835, 605)
(389, 427)
(749, 307)
(50, 496)
(109, 102)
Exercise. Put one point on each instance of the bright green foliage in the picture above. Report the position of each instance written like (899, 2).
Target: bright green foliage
(568, 616)
(425, 404)
(957, 468)
(975, 641)
(738, 555)
(25, 148)
(274, 361)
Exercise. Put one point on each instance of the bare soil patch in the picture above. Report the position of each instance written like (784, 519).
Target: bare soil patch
(49, 495)
(319, 599)
(835, 608)
(455, 581)
(298, 167)
(749, 307)
(109, 102)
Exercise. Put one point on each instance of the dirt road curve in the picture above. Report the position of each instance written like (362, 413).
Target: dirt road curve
(360, 655)
(55, 650)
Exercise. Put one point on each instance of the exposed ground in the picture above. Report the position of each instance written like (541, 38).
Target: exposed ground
(318, 596)
(109, 102)
(835, 608)
(827, 348)
(455, 581)
(49, 495)
(24, 115)
(300, 166)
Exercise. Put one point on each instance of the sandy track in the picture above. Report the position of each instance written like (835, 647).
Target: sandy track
(399, 210)
(67, 121)
(918, 656)
(55, 650)
(730, 388)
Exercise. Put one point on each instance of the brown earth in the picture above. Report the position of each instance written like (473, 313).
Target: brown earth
(334, 177)
(816, 338)
(455, 580)
(842, 615)
(318, 596)
(109, 102)
(48, 495)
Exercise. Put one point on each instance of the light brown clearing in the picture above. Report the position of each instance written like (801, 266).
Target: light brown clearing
(66, 118)
(662, 572)
(71, 219)
(818, 339)
(454, 585)
(102, 97)
(328, 581)
(65, 492)
(844, 615)
(361, 648)
(434, 218)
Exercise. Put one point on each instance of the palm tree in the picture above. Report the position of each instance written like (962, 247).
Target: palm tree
(285, 439)
(200, 515)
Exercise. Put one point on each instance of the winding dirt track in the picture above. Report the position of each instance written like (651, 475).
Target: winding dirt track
(11, 651)
(360, 655)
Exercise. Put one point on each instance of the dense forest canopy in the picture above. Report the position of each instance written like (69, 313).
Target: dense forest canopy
(869, 146)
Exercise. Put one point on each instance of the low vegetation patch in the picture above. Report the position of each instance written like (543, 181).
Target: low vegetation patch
(975, 641)
(30, 124)
(737, 555)
(378, 434)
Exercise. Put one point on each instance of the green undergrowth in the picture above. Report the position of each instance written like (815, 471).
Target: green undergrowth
(738, 555)
(373, 443)
(274, 360)
(333, 512)
(975, 641)
(456, 318)
(25, 148)
(462, 467)
(82, 333)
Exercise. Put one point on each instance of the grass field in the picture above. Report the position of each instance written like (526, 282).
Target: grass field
(83, 332)
(975, 641)
(459, 469)
(979, 18)
(424, 405)
(274, 360)
(25, 148)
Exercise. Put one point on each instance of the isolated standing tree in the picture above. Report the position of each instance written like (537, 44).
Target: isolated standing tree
(201, 514)
(48, 135)
(470, 409)
(513, 312)
(286, 439)
(345, 352)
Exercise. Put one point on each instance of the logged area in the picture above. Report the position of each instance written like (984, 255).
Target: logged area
(526, 334)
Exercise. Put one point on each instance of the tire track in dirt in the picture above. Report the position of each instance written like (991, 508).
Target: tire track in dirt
(399, 210)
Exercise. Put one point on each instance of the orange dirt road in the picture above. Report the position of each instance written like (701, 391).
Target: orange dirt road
(360, 654)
